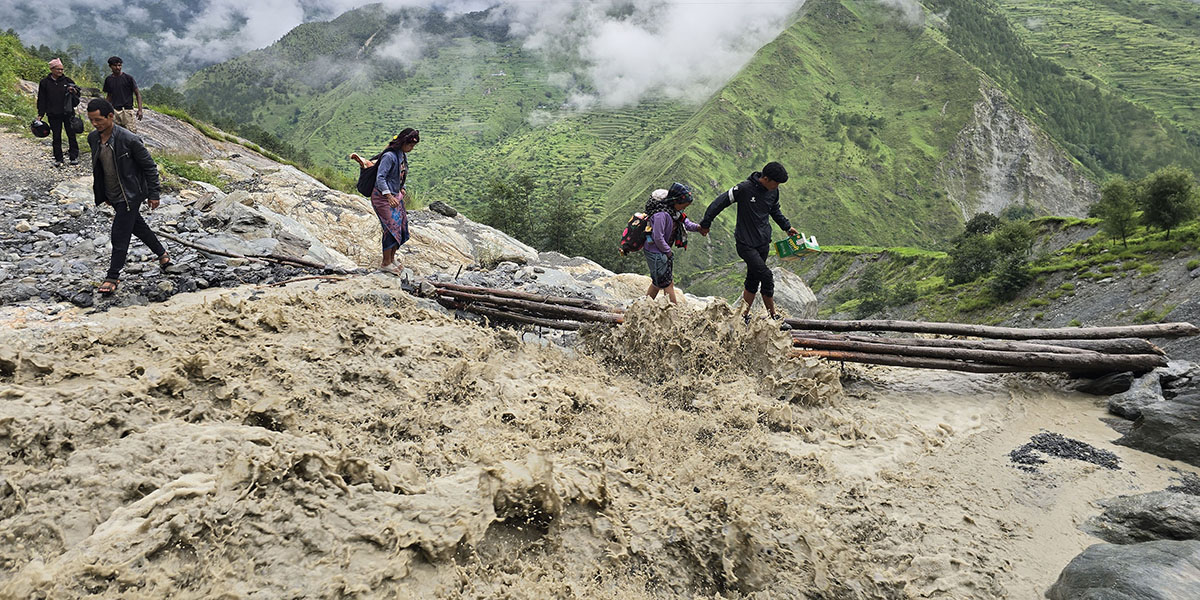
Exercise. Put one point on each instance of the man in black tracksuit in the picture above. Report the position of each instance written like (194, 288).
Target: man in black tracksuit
(124, 175)
(757, 198)
(56, 99)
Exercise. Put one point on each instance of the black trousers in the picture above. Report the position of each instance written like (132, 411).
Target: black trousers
(128, 222)
(58, 124)
(757, 273)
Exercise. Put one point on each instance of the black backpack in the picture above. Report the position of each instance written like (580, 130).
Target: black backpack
(366, 177)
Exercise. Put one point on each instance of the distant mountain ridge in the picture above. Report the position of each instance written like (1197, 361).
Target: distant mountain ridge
(893, 134)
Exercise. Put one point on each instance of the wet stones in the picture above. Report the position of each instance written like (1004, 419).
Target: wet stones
(1029, 456)
(1170, 429)
(1159, 570)
(1164, 515)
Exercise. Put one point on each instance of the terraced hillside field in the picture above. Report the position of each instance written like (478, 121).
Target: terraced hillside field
(1146, 50)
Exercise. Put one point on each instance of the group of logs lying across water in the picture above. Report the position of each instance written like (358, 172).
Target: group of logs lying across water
(553, 312)
(1078, 350)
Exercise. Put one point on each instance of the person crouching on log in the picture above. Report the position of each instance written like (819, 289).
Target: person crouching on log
(757, 199)
(388, 196)
(668, 227)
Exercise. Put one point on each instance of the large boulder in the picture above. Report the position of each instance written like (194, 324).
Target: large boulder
(1170, 429)
(1146, 390)
(1147, 517)
(1159, 570)
(793, 295)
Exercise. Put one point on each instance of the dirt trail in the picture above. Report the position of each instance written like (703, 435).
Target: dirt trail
(325, 441)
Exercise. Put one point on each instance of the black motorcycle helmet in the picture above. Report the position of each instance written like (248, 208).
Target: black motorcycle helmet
(39, 128)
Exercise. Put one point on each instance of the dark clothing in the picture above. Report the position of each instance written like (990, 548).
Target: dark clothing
(662, 269)
(127, 222)
(121, 89)
(138, 175)
(137, 181)
(755, 204)
(113, 193)
(54, 97)
(57, 124)
(757, 272)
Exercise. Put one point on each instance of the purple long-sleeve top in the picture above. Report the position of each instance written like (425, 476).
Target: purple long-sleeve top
(662, 232)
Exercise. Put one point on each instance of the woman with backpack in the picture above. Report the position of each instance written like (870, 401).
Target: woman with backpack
(668, 227)
(387, 197)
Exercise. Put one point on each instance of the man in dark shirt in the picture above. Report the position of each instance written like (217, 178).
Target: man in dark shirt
(56, 99)
(757, 199)
(121, 91)
(124, 175)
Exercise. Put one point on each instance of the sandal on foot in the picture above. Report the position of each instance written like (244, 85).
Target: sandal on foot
(164, 261)
(108, 286)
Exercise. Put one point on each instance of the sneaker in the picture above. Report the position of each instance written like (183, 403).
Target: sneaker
(74, 161)
(58, 164)
(783, 325)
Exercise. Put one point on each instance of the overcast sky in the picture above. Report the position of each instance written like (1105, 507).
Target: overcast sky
(629, 49)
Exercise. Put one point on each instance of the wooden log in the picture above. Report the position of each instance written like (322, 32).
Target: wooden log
(1074, 363)
(538, 309)
(519, 295)
(911, 362)
(1002, 345)
(1111, 346)
(1011, 333)
(504, 315)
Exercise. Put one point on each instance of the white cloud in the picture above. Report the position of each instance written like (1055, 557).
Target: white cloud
(612, 52)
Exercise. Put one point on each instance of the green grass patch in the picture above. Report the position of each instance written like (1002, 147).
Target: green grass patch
(189, 168)
(1037, 302)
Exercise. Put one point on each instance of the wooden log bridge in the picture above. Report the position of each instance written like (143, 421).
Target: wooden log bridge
(1076, 350)
(552, 312)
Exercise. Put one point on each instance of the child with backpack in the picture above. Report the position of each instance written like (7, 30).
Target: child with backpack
(382, 179)
(668, 228)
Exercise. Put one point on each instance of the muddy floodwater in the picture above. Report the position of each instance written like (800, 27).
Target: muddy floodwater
(345, 441)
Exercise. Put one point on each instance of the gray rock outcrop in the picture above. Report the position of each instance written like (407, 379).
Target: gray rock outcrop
(1002, 159)
(1159, 570)
(1170, 429)
(1161, 515)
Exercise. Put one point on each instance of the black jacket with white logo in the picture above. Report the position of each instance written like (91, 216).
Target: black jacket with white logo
(754, 204)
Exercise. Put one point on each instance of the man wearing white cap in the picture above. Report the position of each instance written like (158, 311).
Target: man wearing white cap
(56, 99)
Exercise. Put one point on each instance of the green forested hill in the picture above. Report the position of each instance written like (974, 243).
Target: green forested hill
(1104, 130)
(1145, 50)
(870, 112)
(859, 105)
(485, 107)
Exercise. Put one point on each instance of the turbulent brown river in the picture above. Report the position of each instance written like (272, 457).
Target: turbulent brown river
(342, 441)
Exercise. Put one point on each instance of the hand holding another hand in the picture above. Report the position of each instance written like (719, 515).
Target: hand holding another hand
(703, 231)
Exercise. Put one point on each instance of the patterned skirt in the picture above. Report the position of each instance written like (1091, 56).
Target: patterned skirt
(394, 221)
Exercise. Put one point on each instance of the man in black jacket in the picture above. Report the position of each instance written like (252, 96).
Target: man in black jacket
(757, 198)
(124, 175)
(56, 99)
